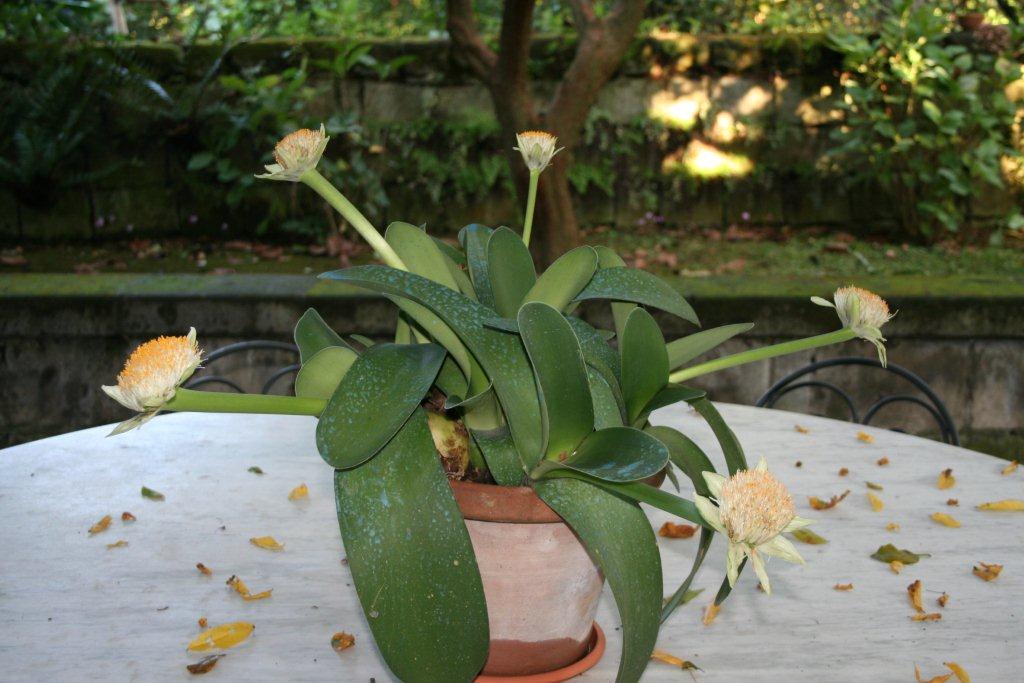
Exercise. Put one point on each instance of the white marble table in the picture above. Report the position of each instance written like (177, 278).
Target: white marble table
(72, 609)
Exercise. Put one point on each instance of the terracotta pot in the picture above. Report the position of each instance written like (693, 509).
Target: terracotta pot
(541, 586)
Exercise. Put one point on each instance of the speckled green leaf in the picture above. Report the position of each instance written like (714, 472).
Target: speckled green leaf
(565, 278)
(637, 286)
(620, 540)
(510, 271)
(419, 253)
(671, 394)
(450, 379)
(375, 398)
(644, 362)
(607, 258)
(500, 454)
(618, 454)
(412, 561)
(501, 354)
(594, 346)
(320, 375)
(457, 257)
(474, 240)
(312, 334)
(567, 409)
(607, 406)
(685, 349)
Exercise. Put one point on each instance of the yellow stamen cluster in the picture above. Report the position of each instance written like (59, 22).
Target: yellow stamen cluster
(537, 149)
(154, 371)
(297, 153)
(860, 307)
(754, 507)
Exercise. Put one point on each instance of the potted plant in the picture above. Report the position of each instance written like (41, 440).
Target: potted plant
(490, 462)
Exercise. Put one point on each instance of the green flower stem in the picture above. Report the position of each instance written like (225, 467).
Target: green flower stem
(224, 402)
(782, 349)
(531, 202)
(358, 221)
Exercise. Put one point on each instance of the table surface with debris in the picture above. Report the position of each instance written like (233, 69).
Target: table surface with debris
(123, 602)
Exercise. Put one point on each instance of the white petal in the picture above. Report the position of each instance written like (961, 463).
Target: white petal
(116, 394)
(762, 465)
(798, 523)
(822, 302)
(732, 562)
(709, 512)
(130, 424)
(762, 575)
(783, 549)
(715, 482)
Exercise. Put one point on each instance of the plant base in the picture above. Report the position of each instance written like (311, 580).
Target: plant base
(594, 653)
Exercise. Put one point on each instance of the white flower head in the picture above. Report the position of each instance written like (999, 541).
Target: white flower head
(537, 148)
(863, 312)
(297, 153)
(754, 509)
(152, 375)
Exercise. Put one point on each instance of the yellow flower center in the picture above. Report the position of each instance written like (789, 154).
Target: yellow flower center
(755, 507)
(298, 147)
(155, 359)
(872, 310)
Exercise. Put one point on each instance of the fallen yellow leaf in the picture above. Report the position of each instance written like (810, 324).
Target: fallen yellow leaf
(1009, 469)
(988, 572)
(914, 592)
(802, 430)
(127, 517)
(100, 526)
(934, 616)
(202, 622)
(946, 479)
(843, 586)
(117, 544)
(865, 437)
(809, 537)
(843, 471)
(300, 491)
(267, 543)
(938, 679)
(204, 569)
(342, 641)
(819, 504)
(710, 612)
(882, 462)
(222, 637)
(953, 502)
(666, 658)
(204, 665)
(961, 675)
(892, 526)
(943, 599)
(243, 590)
(876, 503)
(945, 520)
(1007, 505)
(896, 566)
(670, 530)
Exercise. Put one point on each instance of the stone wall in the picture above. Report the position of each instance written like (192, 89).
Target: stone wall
(63, 336)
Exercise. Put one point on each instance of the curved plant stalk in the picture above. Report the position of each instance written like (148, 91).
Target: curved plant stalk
(188, 400)
(531, 203)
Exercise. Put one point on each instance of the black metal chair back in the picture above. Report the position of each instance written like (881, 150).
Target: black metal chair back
(211, 378)
(930, 401)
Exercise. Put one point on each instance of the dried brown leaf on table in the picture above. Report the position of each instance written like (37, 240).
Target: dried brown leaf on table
(127, 517)
(843, 471)
(988, 572)
(1009, 469)
(202, 622)
(819, 504)
(151, 494)
(945, 520)
(914, 593)
(809, 537)
(873, 486)
(802, 430)
(896, 566)
(1006, 505)
(876, 503)
(710, 612)
(204, 569)
(798, 463)
(889, 552)
(943, 599)
(117, 544)
(933, 616)
(952, 502)
(672, 660)
(222, 636)
(938, 679)
(299, 492)
(255, 470)
(670, 530)
(100, 526)
(865, 437)
(882, 462)
(892, 526)
(267, 543)
(843, 587)
(958, 670)
(342, 641)
(946, 479)
(204, 665)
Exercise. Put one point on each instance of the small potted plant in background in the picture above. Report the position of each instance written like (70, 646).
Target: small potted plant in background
(490, 461)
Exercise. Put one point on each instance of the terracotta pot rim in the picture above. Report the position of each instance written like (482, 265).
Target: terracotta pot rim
(596, 648)
(509, 504)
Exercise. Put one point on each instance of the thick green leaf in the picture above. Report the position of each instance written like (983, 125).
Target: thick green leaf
(565, 278)
(644, 362)
(474, 240)
(615, 454)
(637, 491)
(638, 286)
(607, 258)
(450, 379)
(620, 540)
(412, 560)
(510, 271)
(363, 340)
(320, 375)
(501, 355)
(500, 454)
(735, 460)
(419, 253)
(457, 257)
(672, 393)
(376, 397)
(607, 408)
(594, 346)
(567, 409)
(454, 401)
(687, 348)
(312, 334)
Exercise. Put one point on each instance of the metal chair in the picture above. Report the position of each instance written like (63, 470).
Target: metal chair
(931, 402)
(245, 347)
